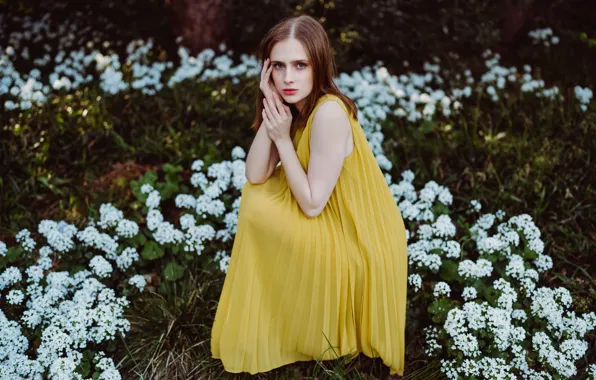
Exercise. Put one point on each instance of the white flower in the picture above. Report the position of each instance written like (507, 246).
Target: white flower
(475, 205)
(9, 277)
(224, 260)
(237, 153)
(126, 258)
(100, 266)
(197, 165)
(153, 199)
(415, 281)
(469, 293)
(109, 216)
(15, 297)
(441, 288)
(138, 281)
(127, 228)
(146, 188)
(24, 238)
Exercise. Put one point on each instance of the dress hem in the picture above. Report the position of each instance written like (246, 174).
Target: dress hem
(391, 370)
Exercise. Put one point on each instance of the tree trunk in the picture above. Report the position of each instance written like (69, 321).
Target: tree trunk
(201, 23)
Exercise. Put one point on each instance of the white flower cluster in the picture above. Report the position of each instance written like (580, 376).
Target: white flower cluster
(414, 96)
(127, 258)
(476, 206)
(477, 318)
(59, 235)
(415, 281)
(469, 293)
(146, 74)
(584, 95)
(418, 207)
(503, 322)
(25, 239)
(224, 260)
(469, 269)
(72, 312)
(432, 346)
(498, 76)
(139, 281)
(441, 289)
(544, 35)
(3, 248)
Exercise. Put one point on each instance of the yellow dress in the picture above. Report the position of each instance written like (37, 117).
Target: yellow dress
(299, 288)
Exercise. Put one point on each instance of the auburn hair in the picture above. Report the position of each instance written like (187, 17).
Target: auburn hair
(311, 34)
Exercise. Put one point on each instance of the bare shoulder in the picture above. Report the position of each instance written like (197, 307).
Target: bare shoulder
(333, 116)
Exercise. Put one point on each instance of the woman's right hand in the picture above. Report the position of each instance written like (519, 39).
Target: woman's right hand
(266, 84)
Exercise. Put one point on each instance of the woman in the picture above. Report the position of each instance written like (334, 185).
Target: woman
(318, 268)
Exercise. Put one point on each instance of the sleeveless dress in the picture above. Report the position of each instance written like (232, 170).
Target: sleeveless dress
(299, 288)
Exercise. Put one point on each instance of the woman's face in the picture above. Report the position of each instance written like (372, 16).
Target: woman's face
(291, 70)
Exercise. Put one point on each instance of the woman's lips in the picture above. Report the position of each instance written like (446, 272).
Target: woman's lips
(290, 92)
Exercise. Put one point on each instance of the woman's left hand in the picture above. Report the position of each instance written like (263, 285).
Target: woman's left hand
(277, 118)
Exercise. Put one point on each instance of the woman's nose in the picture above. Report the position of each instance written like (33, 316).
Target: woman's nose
(288, 76)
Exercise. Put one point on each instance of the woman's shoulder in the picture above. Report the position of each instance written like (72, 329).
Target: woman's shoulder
(330, 97)
(326, 97)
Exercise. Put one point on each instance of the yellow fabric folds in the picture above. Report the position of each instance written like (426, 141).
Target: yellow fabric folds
(301, 288)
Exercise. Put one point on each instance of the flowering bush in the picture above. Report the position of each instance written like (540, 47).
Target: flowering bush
(491, 320)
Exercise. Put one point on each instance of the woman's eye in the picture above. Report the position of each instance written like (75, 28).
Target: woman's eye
(279, 65)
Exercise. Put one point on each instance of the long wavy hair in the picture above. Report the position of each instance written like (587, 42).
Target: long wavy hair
(314, 39)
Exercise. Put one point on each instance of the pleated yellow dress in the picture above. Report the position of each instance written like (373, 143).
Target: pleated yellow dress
(300, 288)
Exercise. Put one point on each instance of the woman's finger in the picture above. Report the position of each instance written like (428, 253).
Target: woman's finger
(271, 109)
(267, 79)
(277, 103)
(263, 73)
(268, 111)
(265, 70)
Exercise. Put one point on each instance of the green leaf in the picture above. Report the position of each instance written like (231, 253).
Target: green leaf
(14, 253)
(169, 168)
(84, 367)
(150, 177)
(491, 294)
(529, 254)
(152, 251)
(120, 141)
(173, 178)
(428, 126)
(168, 190)
(164, 288)
(141, 238)
(189, 256)
(448, 271)
(439, 308)
(173, 271)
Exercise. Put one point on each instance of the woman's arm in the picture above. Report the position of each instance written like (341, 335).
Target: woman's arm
(262, 157)
(273, 159)
(329, 132)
